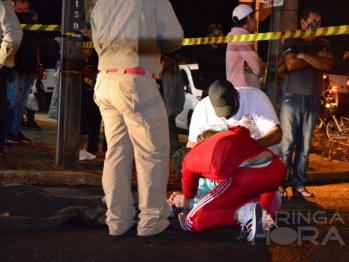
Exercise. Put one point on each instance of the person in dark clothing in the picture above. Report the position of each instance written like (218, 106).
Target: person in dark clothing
(306, 59)
(173, 96)
(10, 39)
(89, 110)
(27, 62)
(39, 88)
(55, 51)
(211, 60)
(96, 118)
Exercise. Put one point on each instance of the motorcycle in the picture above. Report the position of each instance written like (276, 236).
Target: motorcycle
(329, 96)
(335, 127)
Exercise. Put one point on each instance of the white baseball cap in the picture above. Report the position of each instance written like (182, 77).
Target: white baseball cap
(241, 11)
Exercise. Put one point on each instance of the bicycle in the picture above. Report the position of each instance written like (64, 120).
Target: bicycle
(336, 128)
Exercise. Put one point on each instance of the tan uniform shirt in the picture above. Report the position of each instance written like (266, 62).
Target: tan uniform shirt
(129, 33)
(11, 33)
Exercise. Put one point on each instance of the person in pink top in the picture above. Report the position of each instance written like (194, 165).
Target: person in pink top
(243, 65)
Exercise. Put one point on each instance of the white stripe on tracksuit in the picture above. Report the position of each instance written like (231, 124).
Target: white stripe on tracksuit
(220, 189)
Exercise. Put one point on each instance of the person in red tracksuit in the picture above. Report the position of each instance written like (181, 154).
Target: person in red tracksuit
(244, 170)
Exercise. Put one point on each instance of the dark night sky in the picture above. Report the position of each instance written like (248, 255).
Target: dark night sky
(196, 15)
(50, 11)
(334, 13)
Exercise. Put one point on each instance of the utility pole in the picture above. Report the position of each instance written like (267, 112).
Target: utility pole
(283, 18)
(68, 130)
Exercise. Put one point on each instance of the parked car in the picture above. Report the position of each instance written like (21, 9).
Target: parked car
(192, 79)
(43, 88)
(341, 84)
(48, 80)
(340, 81)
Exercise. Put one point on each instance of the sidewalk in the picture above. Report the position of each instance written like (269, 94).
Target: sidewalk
(35, 163)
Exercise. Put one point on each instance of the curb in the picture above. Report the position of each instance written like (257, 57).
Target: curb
(51, 178)
(327, 178)
(63, 178)
(79, 178)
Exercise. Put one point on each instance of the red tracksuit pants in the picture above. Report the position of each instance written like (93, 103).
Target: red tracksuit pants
(217, 208)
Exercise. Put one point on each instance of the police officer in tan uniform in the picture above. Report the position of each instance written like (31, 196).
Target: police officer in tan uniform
(127, 36)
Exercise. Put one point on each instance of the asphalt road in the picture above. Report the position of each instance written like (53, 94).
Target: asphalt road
(309, 230)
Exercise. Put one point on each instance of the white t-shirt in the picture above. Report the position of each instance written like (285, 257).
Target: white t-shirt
(255, 113)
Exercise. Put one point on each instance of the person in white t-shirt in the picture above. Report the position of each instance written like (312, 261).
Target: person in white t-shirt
(246, 106)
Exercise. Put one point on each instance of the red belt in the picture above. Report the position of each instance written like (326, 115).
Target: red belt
(135, 71)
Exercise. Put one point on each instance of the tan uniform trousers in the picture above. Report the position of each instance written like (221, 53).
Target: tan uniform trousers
(136, 126)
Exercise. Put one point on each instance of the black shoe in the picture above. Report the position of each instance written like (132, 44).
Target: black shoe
(23, 138)
(14, 139)
(7, 144)
(33, 125)
(169, 233)
(93, 151)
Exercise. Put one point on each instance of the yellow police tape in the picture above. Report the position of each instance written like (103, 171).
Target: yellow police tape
(40, 27)
(87, 45)
(323, 31)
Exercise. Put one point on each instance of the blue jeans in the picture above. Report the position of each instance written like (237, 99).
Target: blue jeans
(298, 117)
(9, 120)
(12, 83)
(25, 83)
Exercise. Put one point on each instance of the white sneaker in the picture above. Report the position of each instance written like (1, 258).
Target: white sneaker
(104, 201)
(82, 156)
(88, 155)
(250, 216)
(267, 221)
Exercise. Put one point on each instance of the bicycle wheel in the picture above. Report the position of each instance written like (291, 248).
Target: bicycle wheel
(344, 122)
(333, 132)
(320, 125)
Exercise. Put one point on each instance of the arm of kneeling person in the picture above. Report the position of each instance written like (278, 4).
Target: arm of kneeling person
(272, 137)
